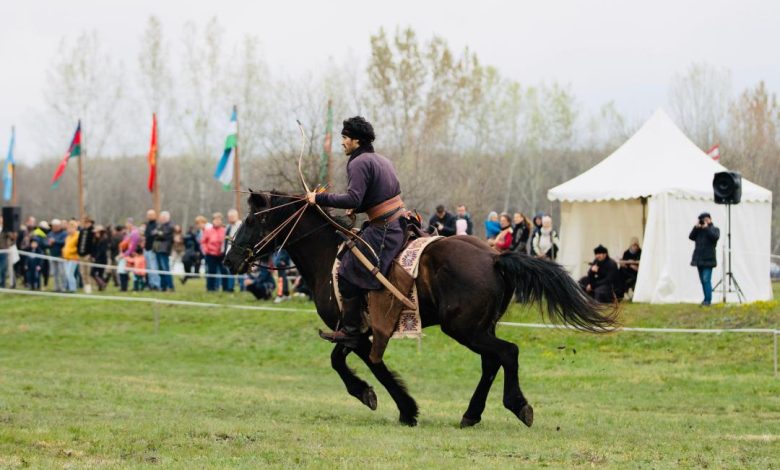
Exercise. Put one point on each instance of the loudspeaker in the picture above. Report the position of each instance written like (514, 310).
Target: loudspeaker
(12, 219)
(727, 186)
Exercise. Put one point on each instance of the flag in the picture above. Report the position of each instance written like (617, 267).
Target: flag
(73, 151)
(224, 172)
(8, 170)
(326, 147)
(153, 154)
(714, 152)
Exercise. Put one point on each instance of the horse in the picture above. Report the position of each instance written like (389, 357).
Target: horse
(463, 285)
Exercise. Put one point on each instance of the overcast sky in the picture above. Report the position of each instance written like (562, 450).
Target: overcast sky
(604, 50)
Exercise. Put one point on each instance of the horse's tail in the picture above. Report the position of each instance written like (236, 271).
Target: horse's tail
(539, 279)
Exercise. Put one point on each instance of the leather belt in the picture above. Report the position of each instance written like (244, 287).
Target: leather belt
(387, 211)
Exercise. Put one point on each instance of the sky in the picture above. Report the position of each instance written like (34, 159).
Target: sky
(621, 51)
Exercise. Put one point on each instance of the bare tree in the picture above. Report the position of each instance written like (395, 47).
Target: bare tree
(699, 99)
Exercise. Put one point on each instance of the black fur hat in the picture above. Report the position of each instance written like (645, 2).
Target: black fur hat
(601, 249)
(358, 128)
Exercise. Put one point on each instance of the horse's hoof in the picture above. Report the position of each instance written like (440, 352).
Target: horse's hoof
(368, 397)
(410, 421)
(526, 415)
(466, 422)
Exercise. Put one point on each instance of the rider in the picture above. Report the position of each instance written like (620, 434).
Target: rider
(373, 188)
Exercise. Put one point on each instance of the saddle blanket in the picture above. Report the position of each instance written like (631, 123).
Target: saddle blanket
(409, 324)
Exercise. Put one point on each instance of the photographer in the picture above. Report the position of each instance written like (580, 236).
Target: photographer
(706, 236)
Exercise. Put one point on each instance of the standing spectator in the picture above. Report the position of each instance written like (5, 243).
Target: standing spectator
(162, 246)
(138, 263)
(545, 243)
(599, 283)
(520, 233)
(41, 234)
(153, 279)
(23, 237)
(177, 250)
(443, 222)
(131, 240)
(537, 226)
(282, 262)
(57, 238)
(705, 235)
(192, 250)
(70, 252)
(211, 243)
(234, 223)
(85, 249)
(3, 256)
(492, 226)
(100, 256)
(34, 264)
(116, 236)
(462, 218)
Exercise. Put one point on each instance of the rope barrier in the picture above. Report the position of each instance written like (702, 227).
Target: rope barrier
(186, 303)
(127, 269)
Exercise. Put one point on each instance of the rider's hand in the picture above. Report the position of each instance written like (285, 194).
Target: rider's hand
(349, 212)
(311, 197)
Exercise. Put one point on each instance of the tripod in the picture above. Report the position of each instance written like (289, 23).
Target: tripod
(730, 285)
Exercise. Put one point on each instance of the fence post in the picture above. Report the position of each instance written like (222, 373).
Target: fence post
(775, 337)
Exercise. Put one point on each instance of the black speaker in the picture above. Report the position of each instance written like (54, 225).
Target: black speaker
(727, 186)
(12, 219)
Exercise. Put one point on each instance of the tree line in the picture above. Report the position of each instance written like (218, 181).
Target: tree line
(457, 130)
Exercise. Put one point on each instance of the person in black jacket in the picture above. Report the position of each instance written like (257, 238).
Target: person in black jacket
(602, 274)
(521, 232)
(162, 245)
(100, 256)
(86, 247)
(705, 235)
(152, 278)
(442, 221)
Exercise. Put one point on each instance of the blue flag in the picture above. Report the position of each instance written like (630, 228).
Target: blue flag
(8, 169)
(224, 171)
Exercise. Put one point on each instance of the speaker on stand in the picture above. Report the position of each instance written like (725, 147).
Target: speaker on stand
(727, 189)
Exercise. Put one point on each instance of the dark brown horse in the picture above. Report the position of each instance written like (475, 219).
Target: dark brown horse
(463, 285)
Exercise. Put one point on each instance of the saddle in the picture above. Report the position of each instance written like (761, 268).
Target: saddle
(386, 316)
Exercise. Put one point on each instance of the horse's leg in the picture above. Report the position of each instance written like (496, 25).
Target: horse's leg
(507, 353)
(356, 387)
(473, 415)
(407, 407)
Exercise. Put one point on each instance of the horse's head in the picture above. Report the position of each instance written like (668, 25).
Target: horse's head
(271, 219)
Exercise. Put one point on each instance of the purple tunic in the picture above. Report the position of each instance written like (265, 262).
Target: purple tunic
(371, 180)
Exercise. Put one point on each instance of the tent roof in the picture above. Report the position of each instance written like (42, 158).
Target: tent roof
(658, 159)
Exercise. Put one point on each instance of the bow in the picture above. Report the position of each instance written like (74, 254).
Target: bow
(336, 225)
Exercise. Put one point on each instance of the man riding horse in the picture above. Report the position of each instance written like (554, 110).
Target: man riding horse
(373, 188)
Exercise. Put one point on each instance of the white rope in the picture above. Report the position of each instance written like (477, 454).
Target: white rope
(188, 303)
(122, 298)
(116, 267)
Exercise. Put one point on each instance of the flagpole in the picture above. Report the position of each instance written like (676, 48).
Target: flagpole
(82, 156)
(14, 196)
(329, 150)
(236, 168)
(155, 186)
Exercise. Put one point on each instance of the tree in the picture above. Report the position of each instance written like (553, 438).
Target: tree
(699, 99)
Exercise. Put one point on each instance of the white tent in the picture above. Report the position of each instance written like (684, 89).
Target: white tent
(653, 187)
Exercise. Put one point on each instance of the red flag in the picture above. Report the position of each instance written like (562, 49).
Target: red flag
(73, 151)
(714, 152)
(153, 154)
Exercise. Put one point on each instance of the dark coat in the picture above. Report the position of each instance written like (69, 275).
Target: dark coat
(163, 238)
(447, 222)
(704, 252)
(86, 243)
(371, 180)
(151, 225)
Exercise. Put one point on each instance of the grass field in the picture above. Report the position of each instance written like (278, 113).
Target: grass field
(91, 383)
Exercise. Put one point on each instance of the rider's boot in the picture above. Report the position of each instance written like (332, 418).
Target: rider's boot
(349, 333)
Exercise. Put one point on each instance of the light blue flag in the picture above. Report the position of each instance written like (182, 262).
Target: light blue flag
(8, 169)
(224, 171)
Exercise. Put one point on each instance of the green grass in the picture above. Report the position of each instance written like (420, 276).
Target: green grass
(88, 383)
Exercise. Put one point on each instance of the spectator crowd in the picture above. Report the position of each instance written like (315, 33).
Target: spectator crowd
(69, 255)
